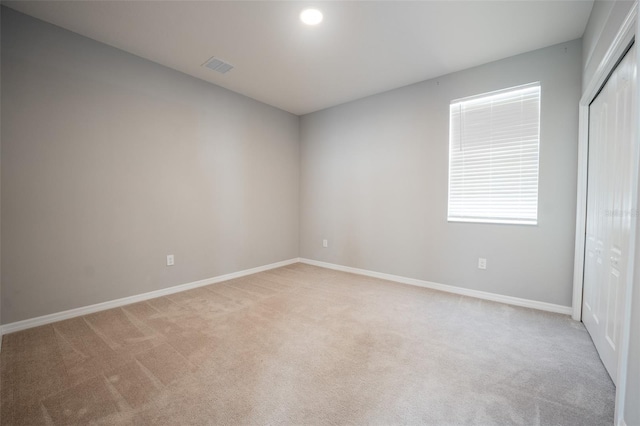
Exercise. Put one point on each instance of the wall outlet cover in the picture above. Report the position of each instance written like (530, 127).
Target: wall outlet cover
(482, 263)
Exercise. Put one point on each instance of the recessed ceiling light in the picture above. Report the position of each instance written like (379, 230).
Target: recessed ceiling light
(311, 16)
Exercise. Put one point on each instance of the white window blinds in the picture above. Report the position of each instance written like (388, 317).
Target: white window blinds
(494, 143)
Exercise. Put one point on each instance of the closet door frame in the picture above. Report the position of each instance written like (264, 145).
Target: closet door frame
(620, 45)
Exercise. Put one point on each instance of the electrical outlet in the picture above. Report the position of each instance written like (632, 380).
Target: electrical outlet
(170, 260)
(482, 263)
(325, 243)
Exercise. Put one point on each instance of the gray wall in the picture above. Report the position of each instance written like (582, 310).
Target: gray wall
(111, 162)
(374, 183)
(606, 18)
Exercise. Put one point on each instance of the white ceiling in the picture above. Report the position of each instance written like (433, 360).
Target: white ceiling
(361, 48)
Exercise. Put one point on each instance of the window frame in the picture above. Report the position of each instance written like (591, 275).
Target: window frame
(488, 220)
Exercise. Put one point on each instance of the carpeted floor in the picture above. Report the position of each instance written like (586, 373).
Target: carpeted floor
(307, 345)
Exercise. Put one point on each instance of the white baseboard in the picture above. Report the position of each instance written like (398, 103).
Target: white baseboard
(59, 316)
(71, 313)
(509, 300)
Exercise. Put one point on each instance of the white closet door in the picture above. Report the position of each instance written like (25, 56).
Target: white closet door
(609, 209)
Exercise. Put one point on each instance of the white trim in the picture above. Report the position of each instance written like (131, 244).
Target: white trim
(509, 300)
(621, 422)
(496, 92)
(85, 310)
(581, 212)
(617, 48)
(72, 313)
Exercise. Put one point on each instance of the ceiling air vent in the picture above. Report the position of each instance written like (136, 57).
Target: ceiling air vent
(218, 65)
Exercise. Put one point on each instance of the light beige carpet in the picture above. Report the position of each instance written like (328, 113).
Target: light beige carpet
(306, 345)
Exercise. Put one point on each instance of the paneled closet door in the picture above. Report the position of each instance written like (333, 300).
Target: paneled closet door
(609, 209)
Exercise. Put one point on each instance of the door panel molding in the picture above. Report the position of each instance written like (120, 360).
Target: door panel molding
(623, 40)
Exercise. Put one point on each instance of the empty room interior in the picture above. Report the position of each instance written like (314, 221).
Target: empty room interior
(323, 213)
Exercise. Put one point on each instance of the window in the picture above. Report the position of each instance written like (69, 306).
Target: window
(494, 142)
